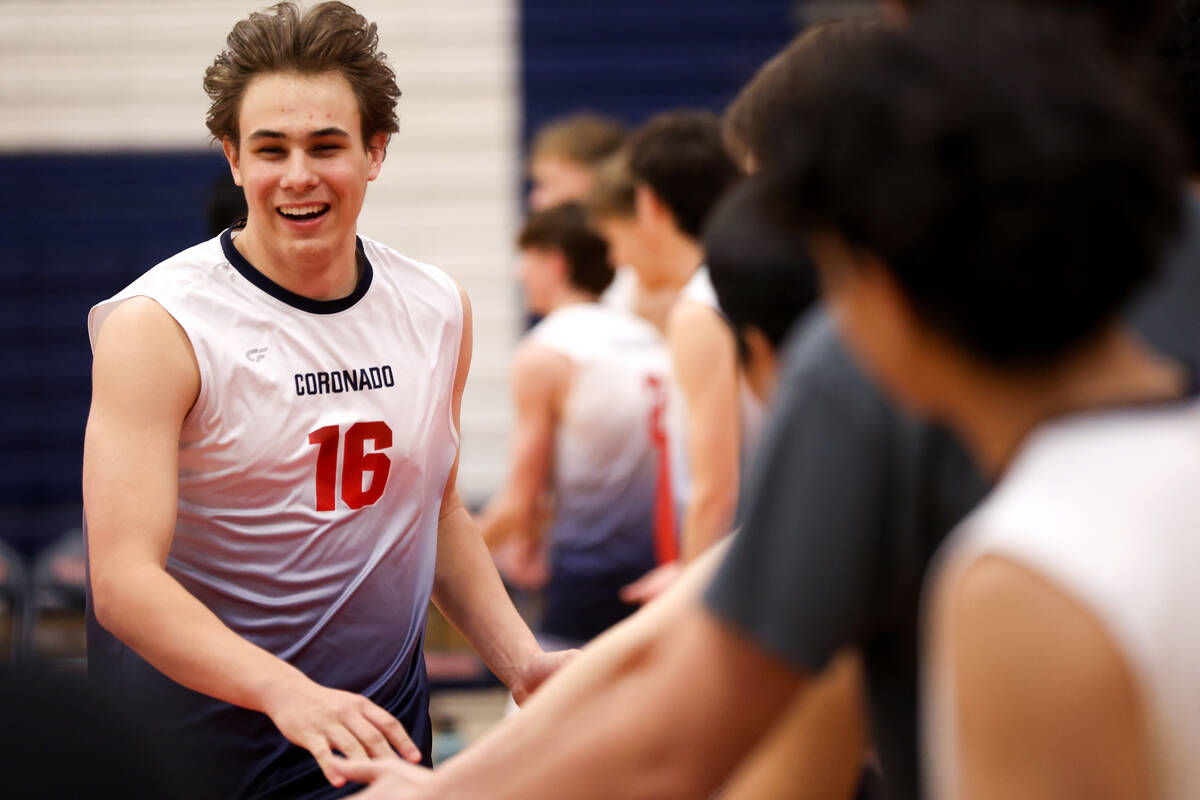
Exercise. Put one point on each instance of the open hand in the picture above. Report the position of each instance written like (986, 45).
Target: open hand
(538, 669)
(322, 720)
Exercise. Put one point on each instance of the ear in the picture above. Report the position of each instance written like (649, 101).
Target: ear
(558, 259)
(759, 346)
(376, 152)
(884, 301)
(761, 366)
(647, 208)
(231, 155)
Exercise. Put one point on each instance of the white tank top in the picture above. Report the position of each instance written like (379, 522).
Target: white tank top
(312, 466)
(622, 292)
(605, 464)
(1107, 508)
(700, 290)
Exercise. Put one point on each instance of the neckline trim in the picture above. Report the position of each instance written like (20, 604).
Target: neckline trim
(298, 301)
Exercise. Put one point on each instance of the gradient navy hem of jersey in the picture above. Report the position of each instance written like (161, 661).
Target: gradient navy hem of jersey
(225, 751)
(252, 274)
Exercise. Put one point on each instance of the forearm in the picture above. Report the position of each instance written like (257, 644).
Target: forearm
(152, 613)
(708, 516)
(591, 685)
(817, 750)
(468, 591)
(671, 720)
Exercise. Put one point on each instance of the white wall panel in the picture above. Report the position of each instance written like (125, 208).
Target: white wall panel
(126, 75)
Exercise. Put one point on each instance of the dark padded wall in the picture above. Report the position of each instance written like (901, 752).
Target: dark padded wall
(632, 58)
(74, 229)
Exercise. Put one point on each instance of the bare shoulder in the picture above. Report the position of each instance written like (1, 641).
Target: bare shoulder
(1033, 667)
(1002, 612)
(690, 319)
(702, 344)
(136, 318)
(540, 372)
(141, 350)
(534, 360)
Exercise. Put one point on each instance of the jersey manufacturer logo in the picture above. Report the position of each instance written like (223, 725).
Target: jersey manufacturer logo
(256, 354)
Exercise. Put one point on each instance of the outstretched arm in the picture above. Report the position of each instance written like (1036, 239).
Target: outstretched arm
(651, 709)
(817, 750)
(145, 380)
(540, 379)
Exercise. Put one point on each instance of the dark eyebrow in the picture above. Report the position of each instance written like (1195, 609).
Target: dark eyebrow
(266, 134)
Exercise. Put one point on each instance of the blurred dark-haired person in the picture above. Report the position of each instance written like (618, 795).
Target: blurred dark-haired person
(679, 170)
(1126, 28)
(848, 500)
(763, 280)
(1062, 661)
(270, 460)
(588, 382)
(755, 126)
(765, 283)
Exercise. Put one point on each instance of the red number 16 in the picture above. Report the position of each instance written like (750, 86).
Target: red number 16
(355, 462)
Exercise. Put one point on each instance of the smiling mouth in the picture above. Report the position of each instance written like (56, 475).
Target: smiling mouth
(303, 213)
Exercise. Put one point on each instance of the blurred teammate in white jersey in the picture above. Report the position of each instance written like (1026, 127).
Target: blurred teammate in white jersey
(270, 458)
(589, 382)
(677, 169)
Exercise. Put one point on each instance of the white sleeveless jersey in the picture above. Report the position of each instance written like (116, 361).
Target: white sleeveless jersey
(605, 465)
(621, 294)
(700, 290)
(1106, 508)
(312, 466)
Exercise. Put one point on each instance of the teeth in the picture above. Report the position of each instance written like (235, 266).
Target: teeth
(299, 211)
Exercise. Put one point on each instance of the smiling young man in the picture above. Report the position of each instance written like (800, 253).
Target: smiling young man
(270, 458)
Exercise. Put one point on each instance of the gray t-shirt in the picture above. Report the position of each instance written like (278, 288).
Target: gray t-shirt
(847, 501)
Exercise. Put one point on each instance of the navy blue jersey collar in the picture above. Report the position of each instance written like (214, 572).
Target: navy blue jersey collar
(250, 273)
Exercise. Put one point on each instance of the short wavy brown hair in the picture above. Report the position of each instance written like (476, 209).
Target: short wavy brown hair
(329, 37)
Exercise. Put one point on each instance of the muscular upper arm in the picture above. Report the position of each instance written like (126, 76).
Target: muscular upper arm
(144, 382)
(540, 378)
(704, 362)
(450, 498)
(1046, 704)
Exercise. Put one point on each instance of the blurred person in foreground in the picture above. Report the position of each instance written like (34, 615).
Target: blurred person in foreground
(858, 563)
(587, 387)
(270, 457)
(1061, 661)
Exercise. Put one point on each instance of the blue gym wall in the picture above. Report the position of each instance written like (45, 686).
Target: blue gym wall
(632, 58)
(73, 230)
